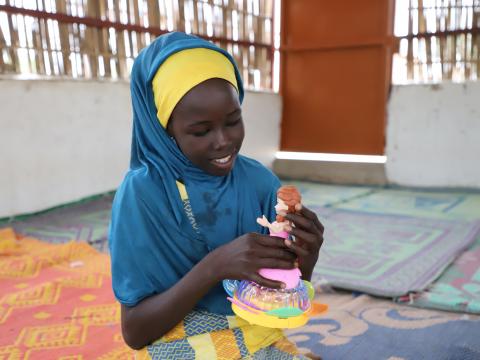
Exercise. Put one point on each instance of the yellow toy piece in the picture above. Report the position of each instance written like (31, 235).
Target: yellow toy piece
(263, 319)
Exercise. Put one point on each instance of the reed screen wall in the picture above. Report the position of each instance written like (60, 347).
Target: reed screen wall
(101, 38)
(440, 41)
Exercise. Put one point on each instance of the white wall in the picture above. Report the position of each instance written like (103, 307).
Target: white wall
(64, 140)
(433, 135)
(61, 140)
(262, 114)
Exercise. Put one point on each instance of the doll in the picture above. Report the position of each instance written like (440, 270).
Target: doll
(277, 308)
(288, 197)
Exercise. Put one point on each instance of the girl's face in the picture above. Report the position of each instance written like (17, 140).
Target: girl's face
(208, 127)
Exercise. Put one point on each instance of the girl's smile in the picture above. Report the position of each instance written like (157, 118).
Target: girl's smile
(225, 163)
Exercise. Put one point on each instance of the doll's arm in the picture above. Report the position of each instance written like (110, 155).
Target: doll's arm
(274, 227)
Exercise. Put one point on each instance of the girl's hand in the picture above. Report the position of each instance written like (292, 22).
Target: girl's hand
(241, 258)
(308, 232)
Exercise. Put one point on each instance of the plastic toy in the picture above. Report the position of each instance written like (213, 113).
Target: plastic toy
(276, 308)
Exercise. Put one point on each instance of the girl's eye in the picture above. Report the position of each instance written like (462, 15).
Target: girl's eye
(233, 123)
(201, 133)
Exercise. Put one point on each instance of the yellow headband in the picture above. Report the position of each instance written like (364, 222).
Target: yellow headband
(183, 71)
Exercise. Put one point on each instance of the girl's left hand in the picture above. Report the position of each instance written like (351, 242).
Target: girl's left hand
(308, 232)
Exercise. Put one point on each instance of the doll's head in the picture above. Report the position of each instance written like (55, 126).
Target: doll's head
(287, 197)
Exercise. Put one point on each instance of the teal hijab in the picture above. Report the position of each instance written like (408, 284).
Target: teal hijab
(156, 237)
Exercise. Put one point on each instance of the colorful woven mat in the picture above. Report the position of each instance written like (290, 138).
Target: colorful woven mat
(56, 302)
(86, 221)
(457, 289)
(388, 255)
(363, 327)
(314, 194)
(459, 205)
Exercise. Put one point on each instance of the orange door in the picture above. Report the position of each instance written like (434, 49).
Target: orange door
(335, 77)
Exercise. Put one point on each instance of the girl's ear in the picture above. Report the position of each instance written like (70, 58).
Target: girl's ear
(169, 128)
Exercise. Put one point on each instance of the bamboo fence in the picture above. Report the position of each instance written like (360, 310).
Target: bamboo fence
(443, 41)
(101, 38)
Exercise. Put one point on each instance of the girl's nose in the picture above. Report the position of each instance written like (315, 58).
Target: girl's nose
(221, 140)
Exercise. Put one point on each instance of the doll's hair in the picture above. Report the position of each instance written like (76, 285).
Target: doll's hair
(291, 196)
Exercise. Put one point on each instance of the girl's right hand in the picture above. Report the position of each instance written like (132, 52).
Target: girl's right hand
(241, 259)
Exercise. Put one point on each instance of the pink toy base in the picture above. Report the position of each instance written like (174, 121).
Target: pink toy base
(281, 234)
(289, 277)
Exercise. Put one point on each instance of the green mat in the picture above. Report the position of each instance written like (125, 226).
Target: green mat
(85, 220)
(315, 194)
(454, 205)
(385, 254)
(458, 289)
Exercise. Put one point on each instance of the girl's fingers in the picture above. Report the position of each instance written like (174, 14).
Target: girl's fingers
(309, 214)
(260, 280)
(269, 241)
(301, 252)
(276, 264)
(276, 253)
(302, 222)
(312, 240)
(309, 218)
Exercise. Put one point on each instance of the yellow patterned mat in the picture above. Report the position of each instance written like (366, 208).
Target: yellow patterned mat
(56, 302)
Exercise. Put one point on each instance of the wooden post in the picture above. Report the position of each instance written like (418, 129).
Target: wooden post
(453, 44)
(38, 46)
(153, 13)
(130, 34)
(195, 24)
(105, 36)
(89, 44)
(468, 46)
(122, 69)
(476, 42)
(15, 44)
(422, 28)
(245, 28)
(64, 40)
(410, 73)
(140, 40)
(181, 15)
(3, 47)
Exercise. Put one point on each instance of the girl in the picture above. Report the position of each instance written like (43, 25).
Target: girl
(184, 217)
